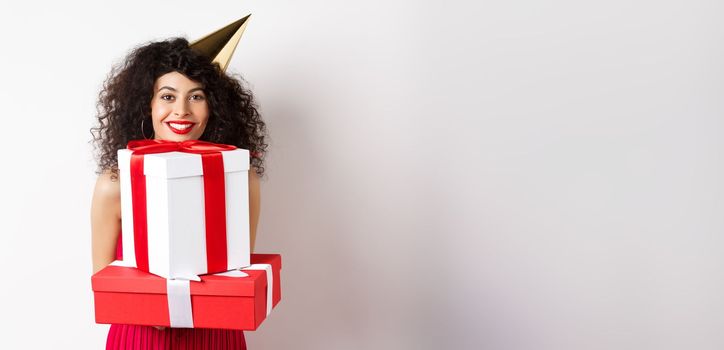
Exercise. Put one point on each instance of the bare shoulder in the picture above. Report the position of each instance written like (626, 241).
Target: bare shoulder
(107, 187)
(254, 183)
(105, 219)
(253, 176)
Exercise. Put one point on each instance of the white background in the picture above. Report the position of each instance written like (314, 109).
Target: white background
(470, 175)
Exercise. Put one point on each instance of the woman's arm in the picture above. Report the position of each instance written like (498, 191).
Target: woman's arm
(254, 205)
(105, 221)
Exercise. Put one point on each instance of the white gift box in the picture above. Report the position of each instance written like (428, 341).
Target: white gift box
(175, 212)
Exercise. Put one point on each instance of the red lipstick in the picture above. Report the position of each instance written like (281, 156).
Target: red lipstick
(180, 126)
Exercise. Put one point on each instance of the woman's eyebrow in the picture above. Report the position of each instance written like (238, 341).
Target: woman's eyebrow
(174, 90)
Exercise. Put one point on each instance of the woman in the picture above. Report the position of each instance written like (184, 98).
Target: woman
(165, 90)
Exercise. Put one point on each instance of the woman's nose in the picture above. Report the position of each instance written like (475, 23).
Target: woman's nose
(180, 109)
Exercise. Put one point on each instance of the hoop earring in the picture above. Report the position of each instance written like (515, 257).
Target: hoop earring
(143, 131)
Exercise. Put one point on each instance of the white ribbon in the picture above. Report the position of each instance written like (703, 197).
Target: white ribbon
(122, 263)
(269, 283)
(179, 295)
(180, 314)
(232, 273)
(179, 298)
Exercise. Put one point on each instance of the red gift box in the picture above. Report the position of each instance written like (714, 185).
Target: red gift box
(126, 295)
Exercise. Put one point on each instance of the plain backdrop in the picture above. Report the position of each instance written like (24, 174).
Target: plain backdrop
(441, 175)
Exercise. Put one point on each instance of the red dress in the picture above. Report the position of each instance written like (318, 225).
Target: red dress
(133, 337)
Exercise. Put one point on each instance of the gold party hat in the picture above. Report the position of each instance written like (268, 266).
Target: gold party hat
(220, 45)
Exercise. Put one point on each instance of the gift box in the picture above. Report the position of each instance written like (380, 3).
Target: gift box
(184, 207)
(126, 295)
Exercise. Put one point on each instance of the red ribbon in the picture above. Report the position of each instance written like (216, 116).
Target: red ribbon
(214, 196)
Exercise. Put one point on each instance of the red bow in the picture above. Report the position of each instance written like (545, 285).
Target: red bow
(162, 146)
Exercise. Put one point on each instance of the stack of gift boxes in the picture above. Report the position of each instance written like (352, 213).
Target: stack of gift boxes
(186, 251)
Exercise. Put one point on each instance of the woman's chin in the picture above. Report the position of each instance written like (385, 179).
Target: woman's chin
(176, 137)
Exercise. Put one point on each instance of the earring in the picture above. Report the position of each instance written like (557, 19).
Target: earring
(143, 130)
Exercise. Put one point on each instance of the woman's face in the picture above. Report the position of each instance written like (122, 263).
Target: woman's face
(178, 109)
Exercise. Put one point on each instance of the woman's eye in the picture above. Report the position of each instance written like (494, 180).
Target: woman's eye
(197, 97)
(167, 97)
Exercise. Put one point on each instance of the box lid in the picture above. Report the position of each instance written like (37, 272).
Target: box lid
(131, 280)
(180, 164)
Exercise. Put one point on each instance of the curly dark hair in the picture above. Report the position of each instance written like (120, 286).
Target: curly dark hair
(125, 101)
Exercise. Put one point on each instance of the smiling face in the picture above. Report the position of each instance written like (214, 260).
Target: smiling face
(178, 109)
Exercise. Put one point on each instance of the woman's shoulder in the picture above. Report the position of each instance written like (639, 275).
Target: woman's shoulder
(108, 186)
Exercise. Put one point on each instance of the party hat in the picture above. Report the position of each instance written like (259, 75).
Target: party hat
(220, 45)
